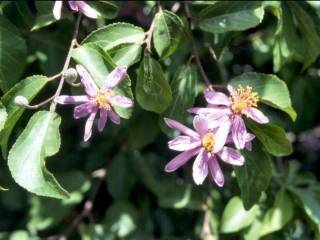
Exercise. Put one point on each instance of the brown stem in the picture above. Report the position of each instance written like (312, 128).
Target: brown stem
(66, 63)
(149, 37)
(194, 48)
(54, 77)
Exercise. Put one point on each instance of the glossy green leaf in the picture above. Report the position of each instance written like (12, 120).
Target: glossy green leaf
(126, 54)
(115, 34)
(26, 161)
(153, 91)
(3, 116)
(279, 215)
(272, 137)
(224, 16)
(309, 203)
(99, 64)
(41, 214)
(184, 89)
(105, 9)
(235, 217)
(254, 176)
(168, 28)
(13, 53)
(28, 88)
(271, 90)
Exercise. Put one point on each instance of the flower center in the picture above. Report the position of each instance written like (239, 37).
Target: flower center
(243, 98)
(102, 100)
(208, 141)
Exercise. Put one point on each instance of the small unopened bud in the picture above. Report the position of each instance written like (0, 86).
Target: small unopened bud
(71, 75)
(21, 101)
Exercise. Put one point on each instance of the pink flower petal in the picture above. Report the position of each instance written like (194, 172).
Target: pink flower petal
(83, 7)
(217, 98)
(181, 128)
(115, 77)
(88, 126)
(239, 132)
(102, 119)
(216, 120)
(114, 117)
(256, 115)
(231, 156)
(215, 171)
(57, 10)
(121, 101)
(200, 124)
(73, 5)
(89, 86)
(204, 111)
(180, 159)
(183, 143)
(221, 136)
(84, 109)
(200, 167)
(64, 99)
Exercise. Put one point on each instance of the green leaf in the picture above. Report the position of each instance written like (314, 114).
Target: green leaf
(28, 88)
(254, 176)
(224, 16)
(120, 178)
(115, 34)
(307, 31)
(168, 28)
(184, 89)
(99, 64)
(309, 203)
(26, 161)
(106, 9)
(44, 14)
(279, 215)
(272, 137)
(235, 217)
(13, 53)
(271, 90)
(3, 116)
(143, 130)
(153, 91)
(41, 214)
(121, 219)
(126, 54)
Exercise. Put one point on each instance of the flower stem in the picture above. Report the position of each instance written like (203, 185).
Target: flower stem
(66, 63)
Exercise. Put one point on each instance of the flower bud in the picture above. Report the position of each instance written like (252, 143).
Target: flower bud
(71, 75)
(21, 101)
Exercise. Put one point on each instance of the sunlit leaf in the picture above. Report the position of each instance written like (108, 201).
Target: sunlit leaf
(26, 161)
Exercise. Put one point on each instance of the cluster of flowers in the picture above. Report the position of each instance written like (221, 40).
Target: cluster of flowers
(218, 124)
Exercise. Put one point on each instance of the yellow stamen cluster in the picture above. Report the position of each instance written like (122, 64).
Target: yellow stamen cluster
(102, 101)
(208, 141)
(243, 98)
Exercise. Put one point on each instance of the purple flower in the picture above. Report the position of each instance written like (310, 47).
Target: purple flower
(78, 6)
(229, 110)
(102, 99)
(207, 144)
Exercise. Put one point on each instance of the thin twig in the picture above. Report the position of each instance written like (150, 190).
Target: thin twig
(66, 64)
(149, 37)
(206, 228)
(36, 106)
(194, 48)
(87, 208)
(54, 77)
